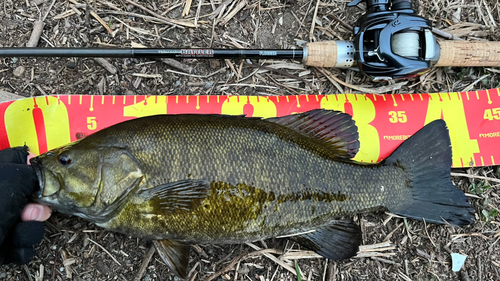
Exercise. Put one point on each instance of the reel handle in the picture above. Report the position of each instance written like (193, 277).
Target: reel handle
(467, 53)
(339, 54)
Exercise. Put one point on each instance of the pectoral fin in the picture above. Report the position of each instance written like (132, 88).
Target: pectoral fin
(180, 195)
(175, 254)
(337, 241)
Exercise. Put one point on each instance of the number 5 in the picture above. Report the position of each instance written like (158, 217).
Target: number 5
(91, 123)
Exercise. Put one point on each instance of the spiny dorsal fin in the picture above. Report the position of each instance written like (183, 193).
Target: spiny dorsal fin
(337, 241)
(175, 254)
(336, 129)
(180, 195)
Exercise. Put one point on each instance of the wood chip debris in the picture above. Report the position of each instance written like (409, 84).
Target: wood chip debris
(146, 75)
(35, 34)
(241, 4)
(187, 7)
(177, 64)
(64, 14)
(174, 21)
(108, 66)
(375, 250)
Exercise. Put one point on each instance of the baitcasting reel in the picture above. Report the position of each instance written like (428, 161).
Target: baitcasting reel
(392, 41)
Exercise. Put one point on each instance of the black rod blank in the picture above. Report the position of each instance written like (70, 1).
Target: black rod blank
(154, 53)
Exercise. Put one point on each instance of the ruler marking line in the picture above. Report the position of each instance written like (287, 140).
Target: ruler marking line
(488, 95)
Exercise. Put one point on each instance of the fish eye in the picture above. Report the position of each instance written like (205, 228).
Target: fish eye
(64, 159)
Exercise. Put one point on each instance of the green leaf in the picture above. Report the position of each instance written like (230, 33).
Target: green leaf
(299, 275)
(486, 215)
(479, 188)
(493, 213)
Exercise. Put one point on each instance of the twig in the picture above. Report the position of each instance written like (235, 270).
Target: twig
(39, 274)
(468, 88)
(240, 258)
(428, 236)
(343, 23)
(153, 19)
(313, 23)
(106, 251)
(220, 9)
(67, 264)
(230, 64)
(475, 177)
(64, 15)
(330, 78)
(236, 9)
(179, 22)
(456, 236)
(48, 10)
(374, 246)
(143, 75)
(187, 7)
(273, 258)
(101, 21)
(145, 262)
(198, 11)
(284, 73)
(384, 260)
(236, 271)
(40, 89)
(35, 34)
(445, 34)
(193, 273)
(373, 254)
(295, 255)
(325, 269)
(108, 66)
(178, 65)
(25, 267)
(197, 76)
(379, 90)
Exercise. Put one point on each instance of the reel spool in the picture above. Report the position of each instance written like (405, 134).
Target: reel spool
(392, 41)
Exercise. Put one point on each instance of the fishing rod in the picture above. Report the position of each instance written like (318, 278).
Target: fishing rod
(391, 42)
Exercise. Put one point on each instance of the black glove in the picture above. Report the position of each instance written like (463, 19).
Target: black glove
(17, 182)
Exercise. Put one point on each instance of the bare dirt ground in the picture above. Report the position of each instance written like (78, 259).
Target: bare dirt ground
(76, 250)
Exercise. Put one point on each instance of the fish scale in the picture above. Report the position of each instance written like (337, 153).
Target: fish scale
(276, 168)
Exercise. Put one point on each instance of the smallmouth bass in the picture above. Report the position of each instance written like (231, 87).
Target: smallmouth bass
(181, 179)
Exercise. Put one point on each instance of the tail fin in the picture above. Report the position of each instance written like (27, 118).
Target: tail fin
(426, 157)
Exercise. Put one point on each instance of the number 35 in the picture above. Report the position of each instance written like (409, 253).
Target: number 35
(397, 116)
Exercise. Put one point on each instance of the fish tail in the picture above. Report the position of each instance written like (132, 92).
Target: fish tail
(426, 158)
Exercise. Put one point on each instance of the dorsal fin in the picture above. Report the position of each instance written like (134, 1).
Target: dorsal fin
(336, 129)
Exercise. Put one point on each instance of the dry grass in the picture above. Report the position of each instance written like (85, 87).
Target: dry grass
(76, 250)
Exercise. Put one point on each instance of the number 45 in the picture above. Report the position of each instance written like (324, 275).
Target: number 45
(491, 114)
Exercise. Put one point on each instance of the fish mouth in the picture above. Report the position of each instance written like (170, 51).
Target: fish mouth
(47, 180)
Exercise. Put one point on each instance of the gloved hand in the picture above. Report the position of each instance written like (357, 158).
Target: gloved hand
(21, 225)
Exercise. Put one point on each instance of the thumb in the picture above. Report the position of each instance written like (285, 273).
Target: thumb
(35, 212)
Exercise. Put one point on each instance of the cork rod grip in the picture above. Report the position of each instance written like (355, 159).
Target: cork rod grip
(467, 53)
(321, 54)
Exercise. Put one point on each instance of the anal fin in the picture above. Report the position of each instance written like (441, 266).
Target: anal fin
(337, 241)
(175, 254)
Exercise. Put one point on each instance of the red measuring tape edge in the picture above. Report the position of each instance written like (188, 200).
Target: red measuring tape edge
(384, 121)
